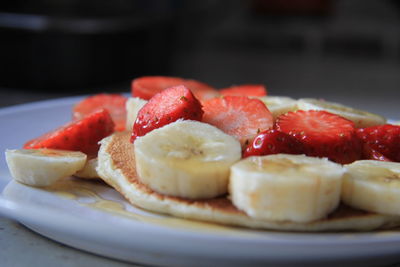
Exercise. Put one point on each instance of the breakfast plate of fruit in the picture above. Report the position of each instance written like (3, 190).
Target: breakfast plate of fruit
(180, 173)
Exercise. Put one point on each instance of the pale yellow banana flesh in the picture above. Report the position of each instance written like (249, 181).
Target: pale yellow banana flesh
(279, 105)
(89, 170)
(133, 105)
(42, 167)
(372, 186)
(187, 159)
(285, 187)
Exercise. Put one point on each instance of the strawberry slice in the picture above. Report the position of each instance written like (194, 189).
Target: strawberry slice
(370, 153)
(167, 106)
(146, 87)
(383, 139)
(323, 134)
(273, 142)
(245, 90)
(239, 116)
(80, 135)
(114, 103)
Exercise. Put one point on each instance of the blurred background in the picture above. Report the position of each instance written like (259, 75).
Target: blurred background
(341, 50)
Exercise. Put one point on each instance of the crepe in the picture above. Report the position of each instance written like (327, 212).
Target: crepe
(116, 166)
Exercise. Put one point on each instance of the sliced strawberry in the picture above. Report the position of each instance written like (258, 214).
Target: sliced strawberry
(80, 135)
(370, 153)
(273, 142)
(146, 87)
(323, 134)
(245, 90)
(167, 106)
(384, 139)
(239, 116)
(114, 103)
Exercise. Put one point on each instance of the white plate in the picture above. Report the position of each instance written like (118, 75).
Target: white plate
(93, 217)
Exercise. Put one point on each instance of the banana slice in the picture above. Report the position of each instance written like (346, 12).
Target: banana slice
(42, 167)
(89, 170)
(279, 105)
(133, 105)
(188, 159)
(284, 187)
(372, 186)
(360, 118)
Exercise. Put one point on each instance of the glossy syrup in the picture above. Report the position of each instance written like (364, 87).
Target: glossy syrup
(97, 195)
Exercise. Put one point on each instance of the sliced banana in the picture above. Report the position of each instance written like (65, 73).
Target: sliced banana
(279, 105)
(372, 186)
(89, 170)
(188, 159)
(133, 105)
(360, 118)
(42, 167)
(285, 187)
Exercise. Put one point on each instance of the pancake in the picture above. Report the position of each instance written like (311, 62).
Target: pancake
(116, 166)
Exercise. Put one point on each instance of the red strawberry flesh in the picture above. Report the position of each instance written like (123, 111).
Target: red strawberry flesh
(245, 90)
(370, 153)
(323, 134)
(169, 105)
(273, 142)
(146, 87)
(384, 139)
(114, 103)
(239, 116)
(81, 135)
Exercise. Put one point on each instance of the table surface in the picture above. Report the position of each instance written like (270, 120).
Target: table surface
(37, 250)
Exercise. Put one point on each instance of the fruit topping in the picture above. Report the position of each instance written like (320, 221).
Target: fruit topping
(187, 159)
(273, 142)
(245, 90)
(133, 105)
(323, 134)
(285, 187)
(167, 106)
(146, 87)
(239, 116)
(114, 103)
(43, 167)
(382, 139)
(370, 153)
(373, 186)
(361, 118)
(80, 135)
(279, 105)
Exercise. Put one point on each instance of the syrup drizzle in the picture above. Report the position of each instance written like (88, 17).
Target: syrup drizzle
(89, 193)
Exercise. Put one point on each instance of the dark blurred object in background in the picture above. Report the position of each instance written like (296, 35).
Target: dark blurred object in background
(341, 50)
(73, 44)
(292, 7)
